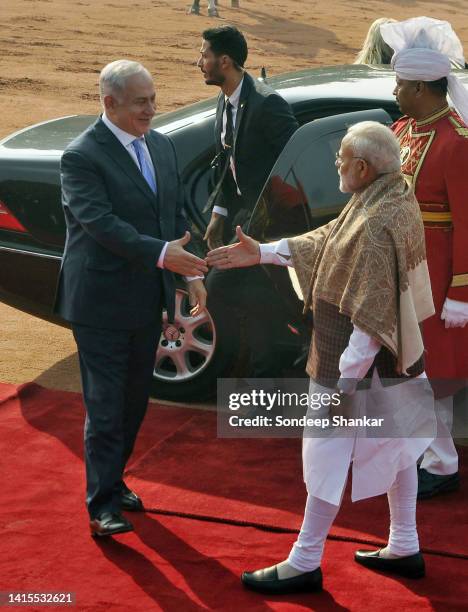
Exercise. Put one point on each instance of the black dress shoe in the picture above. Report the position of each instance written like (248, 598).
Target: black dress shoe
(267, 581)
(109, 523)
(408, 567)
(130, 501)
(434, 484)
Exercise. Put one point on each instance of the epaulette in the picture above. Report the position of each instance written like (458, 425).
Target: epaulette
(460, 129)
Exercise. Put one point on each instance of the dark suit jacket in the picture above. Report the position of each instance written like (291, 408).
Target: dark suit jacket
(264, 124)
(116, 229)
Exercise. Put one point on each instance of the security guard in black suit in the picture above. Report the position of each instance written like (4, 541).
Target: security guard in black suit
(253, 124)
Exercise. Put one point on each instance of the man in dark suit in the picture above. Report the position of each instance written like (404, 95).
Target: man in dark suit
(126, 230)
(253, 124)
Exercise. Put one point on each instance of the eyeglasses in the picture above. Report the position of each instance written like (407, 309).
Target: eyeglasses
(339, 159)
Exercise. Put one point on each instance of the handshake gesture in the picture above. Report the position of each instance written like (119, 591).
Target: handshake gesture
(243, 254)
(178, 260)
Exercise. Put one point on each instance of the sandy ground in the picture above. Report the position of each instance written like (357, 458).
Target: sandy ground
(51, 55)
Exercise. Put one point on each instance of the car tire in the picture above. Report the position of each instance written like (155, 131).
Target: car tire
(191, 355)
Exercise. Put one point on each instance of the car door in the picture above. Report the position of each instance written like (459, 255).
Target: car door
(302, 192)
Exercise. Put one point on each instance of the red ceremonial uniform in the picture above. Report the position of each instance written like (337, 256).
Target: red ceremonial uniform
(434, 158)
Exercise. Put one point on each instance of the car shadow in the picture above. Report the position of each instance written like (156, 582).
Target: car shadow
(64, 375)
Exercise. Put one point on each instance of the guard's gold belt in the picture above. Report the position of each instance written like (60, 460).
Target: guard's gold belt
(460, 280)
(436, 217)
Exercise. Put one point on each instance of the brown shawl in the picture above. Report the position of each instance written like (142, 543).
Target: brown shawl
(370, 262)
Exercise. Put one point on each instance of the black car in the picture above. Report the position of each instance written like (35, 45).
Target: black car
(300, 194)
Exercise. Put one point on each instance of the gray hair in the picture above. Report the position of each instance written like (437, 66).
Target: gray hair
(114, 76)
(375, 143)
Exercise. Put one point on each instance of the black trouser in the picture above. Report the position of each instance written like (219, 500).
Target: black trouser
(248, 291)
(116, 372)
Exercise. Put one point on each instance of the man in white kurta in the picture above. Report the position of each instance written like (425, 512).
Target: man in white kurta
(364, 276)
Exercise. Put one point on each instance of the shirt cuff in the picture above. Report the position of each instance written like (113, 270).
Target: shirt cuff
(277, 253)
(192, 278)
(160, 263)
(220, 210)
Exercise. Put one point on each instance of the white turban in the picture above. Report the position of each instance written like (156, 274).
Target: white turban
(424, 50)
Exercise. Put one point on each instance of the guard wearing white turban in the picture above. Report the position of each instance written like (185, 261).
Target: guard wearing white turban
(425, 50)
(434, 154)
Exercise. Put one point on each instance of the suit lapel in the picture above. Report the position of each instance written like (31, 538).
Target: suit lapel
(219, 121)
(121, 157)
(245, 91)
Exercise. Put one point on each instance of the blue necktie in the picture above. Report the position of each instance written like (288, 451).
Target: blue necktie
(144, 165)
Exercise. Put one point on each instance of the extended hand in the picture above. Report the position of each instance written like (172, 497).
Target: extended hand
(214, 231)
(244, 253)
(197, 296)
(178, 260)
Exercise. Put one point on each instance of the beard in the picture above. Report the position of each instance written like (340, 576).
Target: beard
(215, 77)
(214, 80)
(344, 187)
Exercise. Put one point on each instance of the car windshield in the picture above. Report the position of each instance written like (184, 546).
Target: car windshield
(167, 122)
(51, 135)
(55, 135)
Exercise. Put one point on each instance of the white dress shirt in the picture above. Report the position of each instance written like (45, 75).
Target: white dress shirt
(126, 140)
(234, 100)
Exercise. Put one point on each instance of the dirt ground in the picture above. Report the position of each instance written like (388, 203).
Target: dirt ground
(51, 55)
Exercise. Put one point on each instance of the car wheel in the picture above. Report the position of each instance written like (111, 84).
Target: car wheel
(191, 355)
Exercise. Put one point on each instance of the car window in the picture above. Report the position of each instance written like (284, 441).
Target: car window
(302, 191)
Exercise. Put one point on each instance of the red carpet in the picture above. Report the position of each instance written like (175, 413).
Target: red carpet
(259, 482)
(178, 563)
